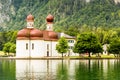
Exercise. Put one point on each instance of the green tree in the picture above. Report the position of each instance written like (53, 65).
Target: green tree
(62, 46)
(108, 36)
(72, 31)
(7, 36)
(13, 48)
(8, 47)
(114, 46)
(13, 37)
(100, 33)
(87, 43)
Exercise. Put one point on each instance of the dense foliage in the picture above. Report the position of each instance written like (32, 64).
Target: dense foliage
(67, 13)
(62, 46)
(87, 43)
(7, 37)
(9, 47)
(114, 47)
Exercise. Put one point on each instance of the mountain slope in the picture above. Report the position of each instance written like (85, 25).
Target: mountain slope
(67, 13)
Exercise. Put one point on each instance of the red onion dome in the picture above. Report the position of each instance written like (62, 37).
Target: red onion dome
(53, 35)
(23, 33)
(30, 17)
(36, 33)
(49, 18)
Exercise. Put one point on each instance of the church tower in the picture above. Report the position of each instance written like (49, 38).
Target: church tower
(30, 21)
(49, 20)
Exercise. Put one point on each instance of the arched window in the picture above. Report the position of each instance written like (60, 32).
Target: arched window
(47, 47)
(32, 46)
(26, 46)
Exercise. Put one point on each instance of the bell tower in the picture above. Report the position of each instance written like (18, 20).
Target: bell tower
(49, 20)
(30, 21)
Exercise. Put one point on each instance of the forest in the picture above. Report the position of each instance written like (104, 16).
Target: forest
(101, 17)
(67, 13)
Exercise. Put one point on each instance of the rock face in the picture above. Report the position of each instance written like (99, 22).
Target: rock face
(116, 1)
(5, 10)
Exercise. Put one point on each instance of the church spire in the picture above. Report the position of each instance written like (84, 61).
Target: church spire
(30, 21)
(49, 20)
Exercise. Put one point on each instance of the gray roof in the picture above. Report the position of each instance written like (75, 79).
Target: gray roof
(66, 36)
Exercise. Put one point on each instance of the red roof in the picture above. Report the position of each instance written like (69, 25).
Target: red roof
(50, 35)
(30, 18)
(24, 32)
(35, 34)
(49, 18)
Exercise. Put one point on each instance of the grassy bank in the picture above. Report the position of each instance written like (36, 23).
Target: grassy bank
(2, 54)
(92, 57)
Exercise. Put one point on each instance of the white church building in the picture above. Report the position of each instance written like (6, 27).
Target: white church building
(35, 43)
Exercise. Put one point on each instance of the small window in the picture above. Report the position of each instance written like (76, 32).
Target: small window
(68, 41)
(26, 46)
(47, 47)
(32, 46)
(71, 41)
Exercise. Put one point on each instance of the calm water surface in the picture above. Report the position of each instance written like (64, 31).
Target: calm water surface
(60, 70)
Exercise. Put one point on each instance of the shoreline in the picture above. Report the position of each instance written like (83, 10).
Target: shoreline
(56, 58)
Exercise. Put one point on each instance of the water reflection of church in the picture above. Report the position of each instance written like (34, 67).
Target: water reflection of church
(32, 42)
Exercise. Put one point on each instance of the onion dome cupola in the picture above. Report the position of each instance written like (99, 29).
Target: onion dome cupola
(30, 21)
(29, 33)
(50, 20)
(30, 18)
(53, 35)
(36, 34)
(23, 34)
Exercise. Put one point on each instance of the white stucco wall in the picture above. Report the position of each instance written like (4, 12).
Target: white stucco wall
(70, 52)
(105, 46)
(38, 50)
(21, 48)
(52, 48)
(54, 51)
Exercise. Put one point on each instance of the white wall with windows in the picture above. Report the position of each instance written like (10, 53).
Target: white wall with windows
(50, 48)
(22, 48)
(37, 48)
(71, 43)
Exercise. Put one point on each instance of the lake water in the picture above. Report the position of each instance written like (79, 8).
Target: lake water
(60, 70)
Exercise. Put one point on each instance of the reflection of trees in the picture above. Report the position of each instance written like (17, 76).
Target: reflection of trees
(7, 70)
(116, 69)
(86, 70)
(113, 70)
(81, 71)
(98, 70)
(62, 71)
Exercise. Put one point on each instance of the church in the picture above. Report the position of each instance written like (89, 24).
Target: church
(35, 43)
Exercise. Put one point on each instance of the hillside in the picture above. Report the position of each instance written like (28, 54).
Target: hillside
(67, 13)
